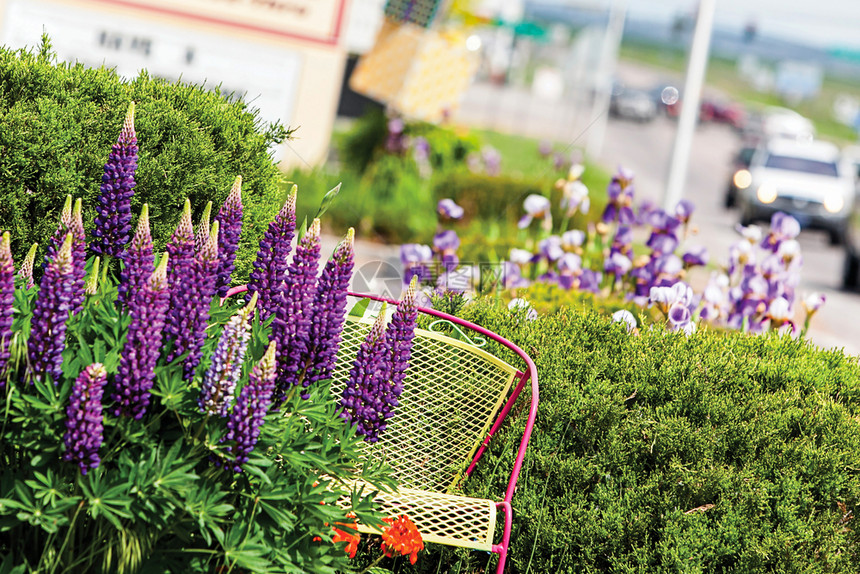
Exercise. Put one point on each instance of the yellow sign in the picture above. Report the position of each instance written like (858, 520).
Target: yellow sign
(420, 73)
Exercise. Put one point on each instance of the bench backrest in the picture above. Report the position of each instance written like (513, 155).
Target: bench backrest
(451, 395)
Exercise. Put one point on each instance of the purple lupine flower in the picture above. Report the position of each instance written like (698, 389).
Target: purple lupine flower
(620, 193)
(292, 324)
(50, 313)
(138, 261)
(395, 143)
(399, 335)
(230, 219)
(112, 229)
(536, 207)
(181, 250)
(367, 397)
(328, 311)
(270, 267)
(83, 436)
(7, 299)
(225, 368)
(253, 403)
(201, 236)
(71, 221)
(416, 260)
(136, 372)
(199, 290)
(26, 271)
(447, 209)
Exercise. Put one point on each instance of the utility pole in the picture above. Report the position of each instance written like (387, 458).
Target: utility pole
(603, 81)
(690, 103)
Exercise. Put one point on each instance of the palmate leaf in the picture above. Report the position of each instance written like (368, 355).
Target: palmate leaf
(105, 498)
(207, 506)
(249, 553)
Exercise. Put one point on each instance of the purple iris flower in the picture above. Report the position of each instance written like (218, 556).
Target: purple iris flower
(395, 143)
(112, 229)
(617, 264)
(550, 248)
(417, 260)
(446, 244)
(513, 278)
(646, 208)
(7, 299)
(684, 210)
(620, 192)
(782, 227)
(545, 148)
(695, 255)
(536, 207)
(492, 160)
(590, 281)
(626, 318)
(84, 426)
(572, 240)
(448, 209)
(664, 233)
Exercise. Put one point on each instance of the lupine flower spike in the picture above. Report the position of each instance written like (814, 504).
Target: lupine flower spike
(143, 345)
(367, 398)
(79, 255)
(112, 229)
(225, 368)
(400, 333)
(138, 260)
(26, 272)
(200, 288)
(253, 403)
(329, 308)
(50, 313)
(181, 250)
(292, 324)
(203, 229)
(83, 436)
(270, 267)
(7, 298)
(401, 538)
(230, 219)
(63, 228)
(93, 282)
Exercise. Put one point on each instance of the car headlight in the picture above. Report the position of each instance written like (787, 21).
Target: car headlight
(766, 193)
(742, 179)
(833, 202)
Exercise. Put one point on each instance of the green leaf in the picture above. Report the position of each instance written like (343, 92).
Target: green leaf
(327, 200)
(359, 308)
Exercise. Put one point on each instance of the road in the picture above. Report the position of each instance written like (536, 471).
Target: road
(646, 150)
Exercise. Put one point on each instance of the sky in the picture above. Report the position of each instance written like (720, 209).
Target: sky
(823, 23)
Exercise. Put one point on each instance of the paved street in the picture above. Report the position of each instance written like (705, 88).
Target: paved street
(646, 149)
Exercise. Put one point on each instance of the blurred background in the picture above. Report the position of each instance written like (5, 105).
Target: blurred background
(689, 96)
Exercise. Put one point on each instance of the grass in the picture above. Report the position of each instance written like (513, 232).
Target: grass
(722, 75)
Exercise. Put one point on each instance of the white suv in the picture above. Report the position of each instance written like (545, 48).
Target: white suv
(804, 178)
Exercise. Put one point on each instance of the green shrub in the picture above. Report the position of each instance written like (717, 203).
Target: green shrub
(59, 122)
(663, 453)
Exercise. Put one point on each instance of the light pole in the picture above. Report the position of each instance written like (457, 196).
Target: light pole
(690, 104)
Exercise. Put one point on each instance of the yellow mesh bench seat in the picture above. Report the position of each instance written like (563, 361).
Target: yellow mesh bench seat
(448, 519)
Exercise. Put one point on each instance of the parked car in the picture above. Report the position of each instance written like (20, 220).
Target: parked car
(806, 179)
(634, 104)
(851, 267)
(722, 112)
(741, 177)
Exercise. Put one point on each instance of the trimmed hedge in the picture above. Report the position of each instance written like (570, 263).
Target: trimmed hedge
(721, 452)
(59, 121)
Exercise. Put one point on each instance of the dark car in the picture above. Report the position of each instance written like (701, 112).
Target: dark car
(633, 104)
(741, 177)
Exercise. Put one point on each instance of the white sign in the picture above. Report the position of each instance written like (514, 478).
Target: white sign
(267, 79)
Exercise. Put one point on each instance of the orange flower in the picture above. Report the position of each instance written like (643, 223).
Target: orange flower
(352, 539)
(402, 538)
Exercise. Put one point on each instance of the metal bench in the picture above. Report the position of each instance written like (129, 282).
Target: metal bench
(455, 397)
